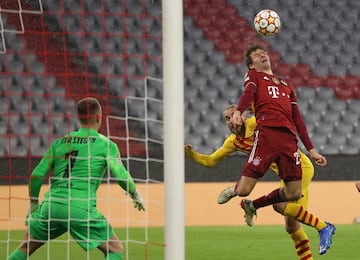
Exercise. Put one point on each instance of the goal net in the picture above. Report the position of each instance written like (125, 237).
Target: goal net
(52, 54)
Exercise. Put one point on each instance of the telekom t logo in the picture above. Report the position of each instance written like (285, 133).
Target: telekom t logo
(273, 91)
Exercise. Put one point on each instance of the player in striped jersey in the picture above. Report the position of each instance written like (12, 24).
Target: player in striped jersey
(242, 139)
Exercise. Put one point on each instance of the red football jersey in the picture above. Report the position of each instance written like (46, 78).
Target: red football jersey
(272, 99)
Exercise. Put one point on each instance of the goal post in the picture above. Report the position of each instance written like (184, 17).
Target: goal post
(173, 89)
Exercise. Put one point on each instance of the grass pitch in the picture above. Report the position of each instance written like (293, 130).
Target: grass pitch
(204, 243)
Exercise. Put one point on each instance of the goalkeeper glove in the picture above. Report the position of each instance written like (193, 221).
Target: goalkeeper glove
(33, 206)
(137, 200)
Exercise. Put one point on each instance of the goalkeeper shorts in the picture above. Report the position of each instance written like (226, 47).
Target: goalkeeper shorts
(89, 228)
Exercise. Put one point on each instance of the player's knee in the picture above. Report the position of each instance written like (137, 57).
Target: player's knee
(116, 246)
(279, 207)
(113, 245)
(292, 194)
(244, 186)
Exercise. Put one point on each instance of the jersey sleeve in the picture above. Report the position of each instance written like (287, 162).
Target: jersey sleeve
(249, 91)
(40, 172)
(118, 170)
(301, 127)
(210, 160)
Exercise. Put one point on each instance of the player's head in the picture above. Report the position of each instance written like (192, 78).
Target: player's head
(228, 113)
(257, 58)
(89, 112)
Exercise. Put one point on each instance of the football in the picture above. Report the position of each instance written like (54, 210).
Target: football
(267, 22)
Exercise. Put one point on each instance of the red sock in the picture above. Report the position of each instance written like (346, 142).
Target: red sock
(273, 197)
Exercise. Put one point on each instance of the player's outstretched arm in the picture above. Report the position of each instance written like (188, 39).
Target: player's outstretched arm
(206, 160)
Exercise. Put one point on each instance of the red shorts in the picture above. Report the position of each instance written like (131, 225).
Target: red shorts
(274, 144)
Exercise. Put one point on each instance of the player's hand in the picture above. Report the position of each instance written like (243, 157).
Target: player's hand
(357, 184)
(188, 150)
(137, 200)
(33, 206)
(236, 118)
(318, 158)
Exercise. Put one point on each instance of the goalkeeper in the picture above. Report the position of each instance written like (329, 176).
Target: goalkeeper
(294, 212)
(78, 162)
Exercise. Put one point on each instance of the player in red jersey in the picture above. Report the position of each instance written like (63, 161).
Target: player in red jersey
(279, 121)
(295, 212)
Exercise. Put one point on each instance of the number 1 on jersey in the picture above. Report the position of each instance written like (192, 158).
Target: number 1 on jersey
(72, 156)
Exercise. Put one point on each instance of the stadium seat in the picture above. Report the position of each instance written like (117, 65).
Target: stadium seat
(200, 128)
(328, 149)
(354, 105)
(70, 6)
(190, 118)
(154, 47)
(136, 108)
(38, 145)
(323, 129)
(209, 116)
(40, 125)
(113, 25)
(154, 68)
(93, 6)
(350, 149)
(3, 124)
(133, 25)
(318, 140)
(15, 66)
(134, 46)
(113, 6)
(305, 94)
(153, 7)
(72, 23)
(311, 117)
(19, 145)
(190, 71)
(210, 93)
(198, 105)
(154, 88)
(338, 69)
(155, 131)
(330, 117)
(206, 69)
(154, 27)
(4, 145)
(219, 83)
(135, 67)
(343, 128)
(94, 45)
(349, 117)
(317, 105)
(155, 107)
(324, 93)
(195, 140)
(337, 140)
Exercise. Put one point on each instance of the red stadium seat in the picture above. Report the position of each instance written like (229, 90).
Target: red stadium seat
(315, 81)
(351, 81)
(333, 81)
(343, 93)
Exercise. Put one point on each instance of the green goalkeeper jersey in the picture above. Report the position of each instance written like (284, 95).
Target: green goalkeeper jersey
(78, 162)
